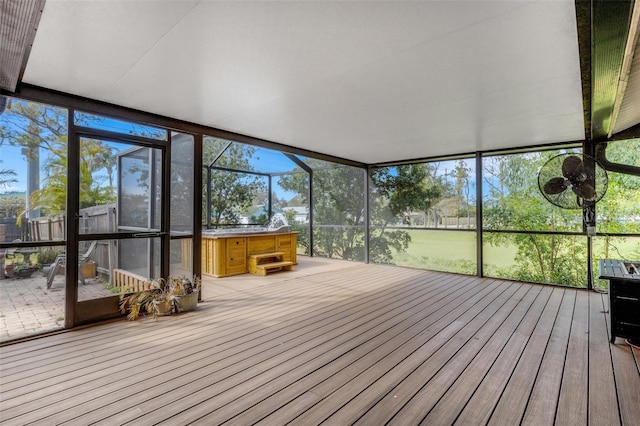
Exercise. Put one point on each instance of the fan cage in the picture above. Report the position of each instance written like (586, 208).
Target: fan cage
(568, 199)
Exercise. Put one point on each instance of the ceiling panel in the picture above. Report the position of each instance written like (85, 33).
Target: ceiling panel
(86, 47)
(367, 81)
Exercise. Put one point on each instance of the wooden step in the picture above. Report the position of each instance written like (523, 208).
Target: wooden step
(265, 268)
(260, 258)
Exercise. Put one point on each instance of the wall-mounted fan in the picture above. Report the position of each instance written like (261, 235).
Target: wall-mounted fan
(572, 181)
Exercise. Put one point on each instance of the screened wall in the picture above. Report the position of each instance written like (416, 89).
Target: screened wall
(139, 209)
(245, 186)
(493, 221)
(423, 215)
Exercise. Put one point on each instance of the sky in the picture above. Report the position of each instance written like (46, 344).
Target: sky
(12, 159)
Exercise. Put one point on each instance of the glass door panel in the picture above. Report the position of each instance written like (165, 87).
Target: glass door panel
(33, 194)
(182, 176)
(139, 189)
(182, 195)
(181, 257)
(120, 187)
(140, 256)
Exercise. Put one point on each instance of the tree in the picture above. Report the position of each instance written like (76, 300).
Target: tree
(515, 203)
(396, 193)
(407, 188)
(461, 174)
(38, 127)
(6, 177)
(231, 192)
(339, 207)
(11, 206)
(438, 180)
(622, 199)
(618, 211)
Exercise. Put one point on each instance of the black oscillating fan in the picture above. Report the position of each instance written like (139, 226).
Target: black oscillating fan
(572, 181)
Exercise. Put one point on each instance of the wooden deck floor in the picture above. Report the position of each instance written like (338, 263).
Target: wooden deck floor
(338, 343)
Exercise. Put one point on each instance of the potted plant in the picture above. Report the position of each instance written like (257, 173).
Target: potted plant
(155, 301)
(23, 270)
(46, 257)
(185, 291)
(175, 294)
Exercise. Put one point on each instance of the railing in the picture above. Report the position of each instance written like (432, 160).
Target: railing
(129, 282)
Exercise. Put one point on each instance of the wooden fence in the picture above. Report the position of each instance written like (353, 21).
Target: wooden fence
(47, 228)
(10, 231)
(97, 219)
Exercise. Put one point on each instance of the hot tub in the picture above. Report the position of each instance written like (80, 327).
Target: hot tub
(225, 251)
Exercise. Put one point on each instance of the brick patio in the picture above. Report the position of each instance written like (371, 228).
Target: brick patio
(27, 307)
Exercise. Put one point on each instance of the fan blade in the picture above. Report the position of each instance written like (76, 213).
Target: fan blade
(571, 167)
(554, 186)
(585, 191)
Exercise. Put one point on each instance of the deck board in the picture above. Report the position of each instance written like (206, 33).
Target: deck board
(390, 370)
(573, 400)
(603, 409)
(543, 400)
(355, 333)
(449, 406)
(493, 371)
(374, 346)
(340, 343)
(421, 390)
(515, 395)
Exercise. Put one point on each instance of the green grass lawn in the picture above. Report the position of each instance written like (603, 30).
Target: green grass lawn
(455, 251)
(619, 247)
(450, 251)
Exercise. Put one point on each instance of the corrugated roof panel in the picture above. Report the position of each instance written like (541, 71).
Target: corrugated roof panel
(18, 24)
(629, 113)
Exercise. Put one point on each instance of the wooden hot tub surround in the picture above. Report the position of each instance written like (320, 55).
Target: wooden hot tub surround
(230, 254)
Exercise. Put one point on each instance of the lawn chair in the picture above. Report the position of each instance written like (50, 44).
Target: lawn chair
(61, 261)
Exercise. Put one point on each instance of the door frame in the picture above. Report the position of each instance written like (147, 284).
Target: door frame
(82, 312)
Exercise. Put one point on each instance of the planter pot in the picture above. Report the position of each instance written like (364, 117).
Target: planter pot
(89, 270)
(162, 307)
(24, 272)
(8, 270)
(188, 302)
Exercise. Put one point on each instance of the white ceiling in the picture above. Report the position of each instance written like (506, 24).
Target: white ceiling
(366, 81)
